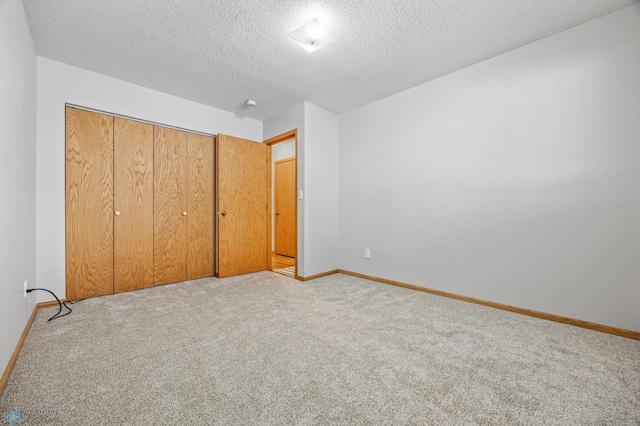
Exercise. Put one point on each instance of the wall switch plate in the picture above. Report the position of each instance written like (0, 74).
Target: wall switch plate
(367, 253)
(25, 288)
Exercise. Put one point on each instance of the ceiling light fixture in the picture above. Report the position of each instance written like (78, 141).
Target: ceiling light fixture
(312, 36)
(251, 102)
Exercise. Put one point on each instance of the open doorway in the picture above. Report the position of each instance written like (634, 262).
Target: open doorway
(283, 204)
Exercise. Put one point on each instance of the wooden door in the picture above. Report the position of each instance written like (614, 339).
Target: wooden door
(170, 206)
(285, 207)
(89, 204)
(133, 204)
(242, 205)
(200, 206)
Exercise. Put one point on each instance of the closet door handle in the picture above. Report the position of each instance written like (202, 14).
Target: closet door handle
(224, 213)
(184, 213)
(117, 212)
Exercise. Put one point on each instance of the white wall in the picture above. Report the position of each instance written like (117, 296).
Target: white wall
(283, 150)
(17, 174)
(321, 190)
(58, 84)
(516, 180)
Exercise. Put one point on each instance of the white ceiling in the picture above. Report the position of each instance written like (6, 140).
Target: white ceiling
(222, 52)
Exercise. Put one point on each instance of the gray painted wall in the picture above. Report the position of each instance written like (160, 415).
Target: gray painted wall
(17, 174)
(516, 180)
(321, 190)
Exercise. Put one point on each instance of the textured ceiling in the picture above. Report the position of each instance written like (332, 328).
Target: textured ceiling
(222, 52)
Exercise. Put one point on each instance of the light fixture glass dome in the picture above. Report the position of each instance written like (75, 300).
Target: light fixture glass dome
(312, 36)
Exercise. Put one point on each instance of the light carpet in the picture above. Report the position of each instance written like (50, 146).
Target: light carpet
(266, 349)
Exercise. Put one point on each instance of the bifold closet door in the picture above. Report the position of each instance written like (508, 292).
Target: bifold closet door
(139, 205)
(170, 206)
(89, 204)
(133, 205)
(200, 206)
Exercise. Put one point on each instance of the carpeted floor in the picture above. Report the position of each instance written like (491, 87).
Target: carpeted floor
(266, 349)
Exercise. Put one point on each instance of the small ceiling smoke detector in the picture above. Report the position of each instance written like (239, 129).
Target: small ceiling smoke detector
(251, 102)
(312, 36)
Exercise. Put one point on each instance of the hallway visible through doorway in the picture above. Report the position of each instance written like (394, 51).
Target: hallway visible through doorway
(283, 265)
(283, 205)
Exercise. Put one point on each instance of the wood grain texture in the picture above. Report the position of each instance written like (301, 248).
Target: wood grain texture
(285, 207)
(51, 303)
(200, 206)
(169, 191)
(283, 137)
(270, 209)
(630, 334)
(243, 191)
(133, 198)
(316, 276)
(89, 204)
(279, 262)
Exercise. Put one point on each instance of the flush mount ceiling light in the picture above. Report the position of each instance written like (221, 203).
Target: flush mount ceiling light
(312, 36)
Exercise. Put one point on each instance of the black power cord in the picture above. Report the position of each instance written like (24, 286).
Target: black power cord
(60, 304)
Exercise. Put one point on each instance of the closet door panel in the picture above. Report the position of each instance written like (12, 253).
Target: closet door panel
(89, 204)
(200, 206)
(243, 196)
(133, 204)
(169, 188)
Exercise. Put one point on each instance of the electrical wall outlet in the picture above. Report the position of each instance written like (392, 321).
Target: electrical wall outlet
(25, 288)
(367, 253)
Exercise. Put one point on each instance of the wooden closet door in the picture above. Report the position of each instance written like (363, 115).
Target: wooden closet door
(89, 204)
(200, 206)
(170, 206)
(243, 191)
(133, 204)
